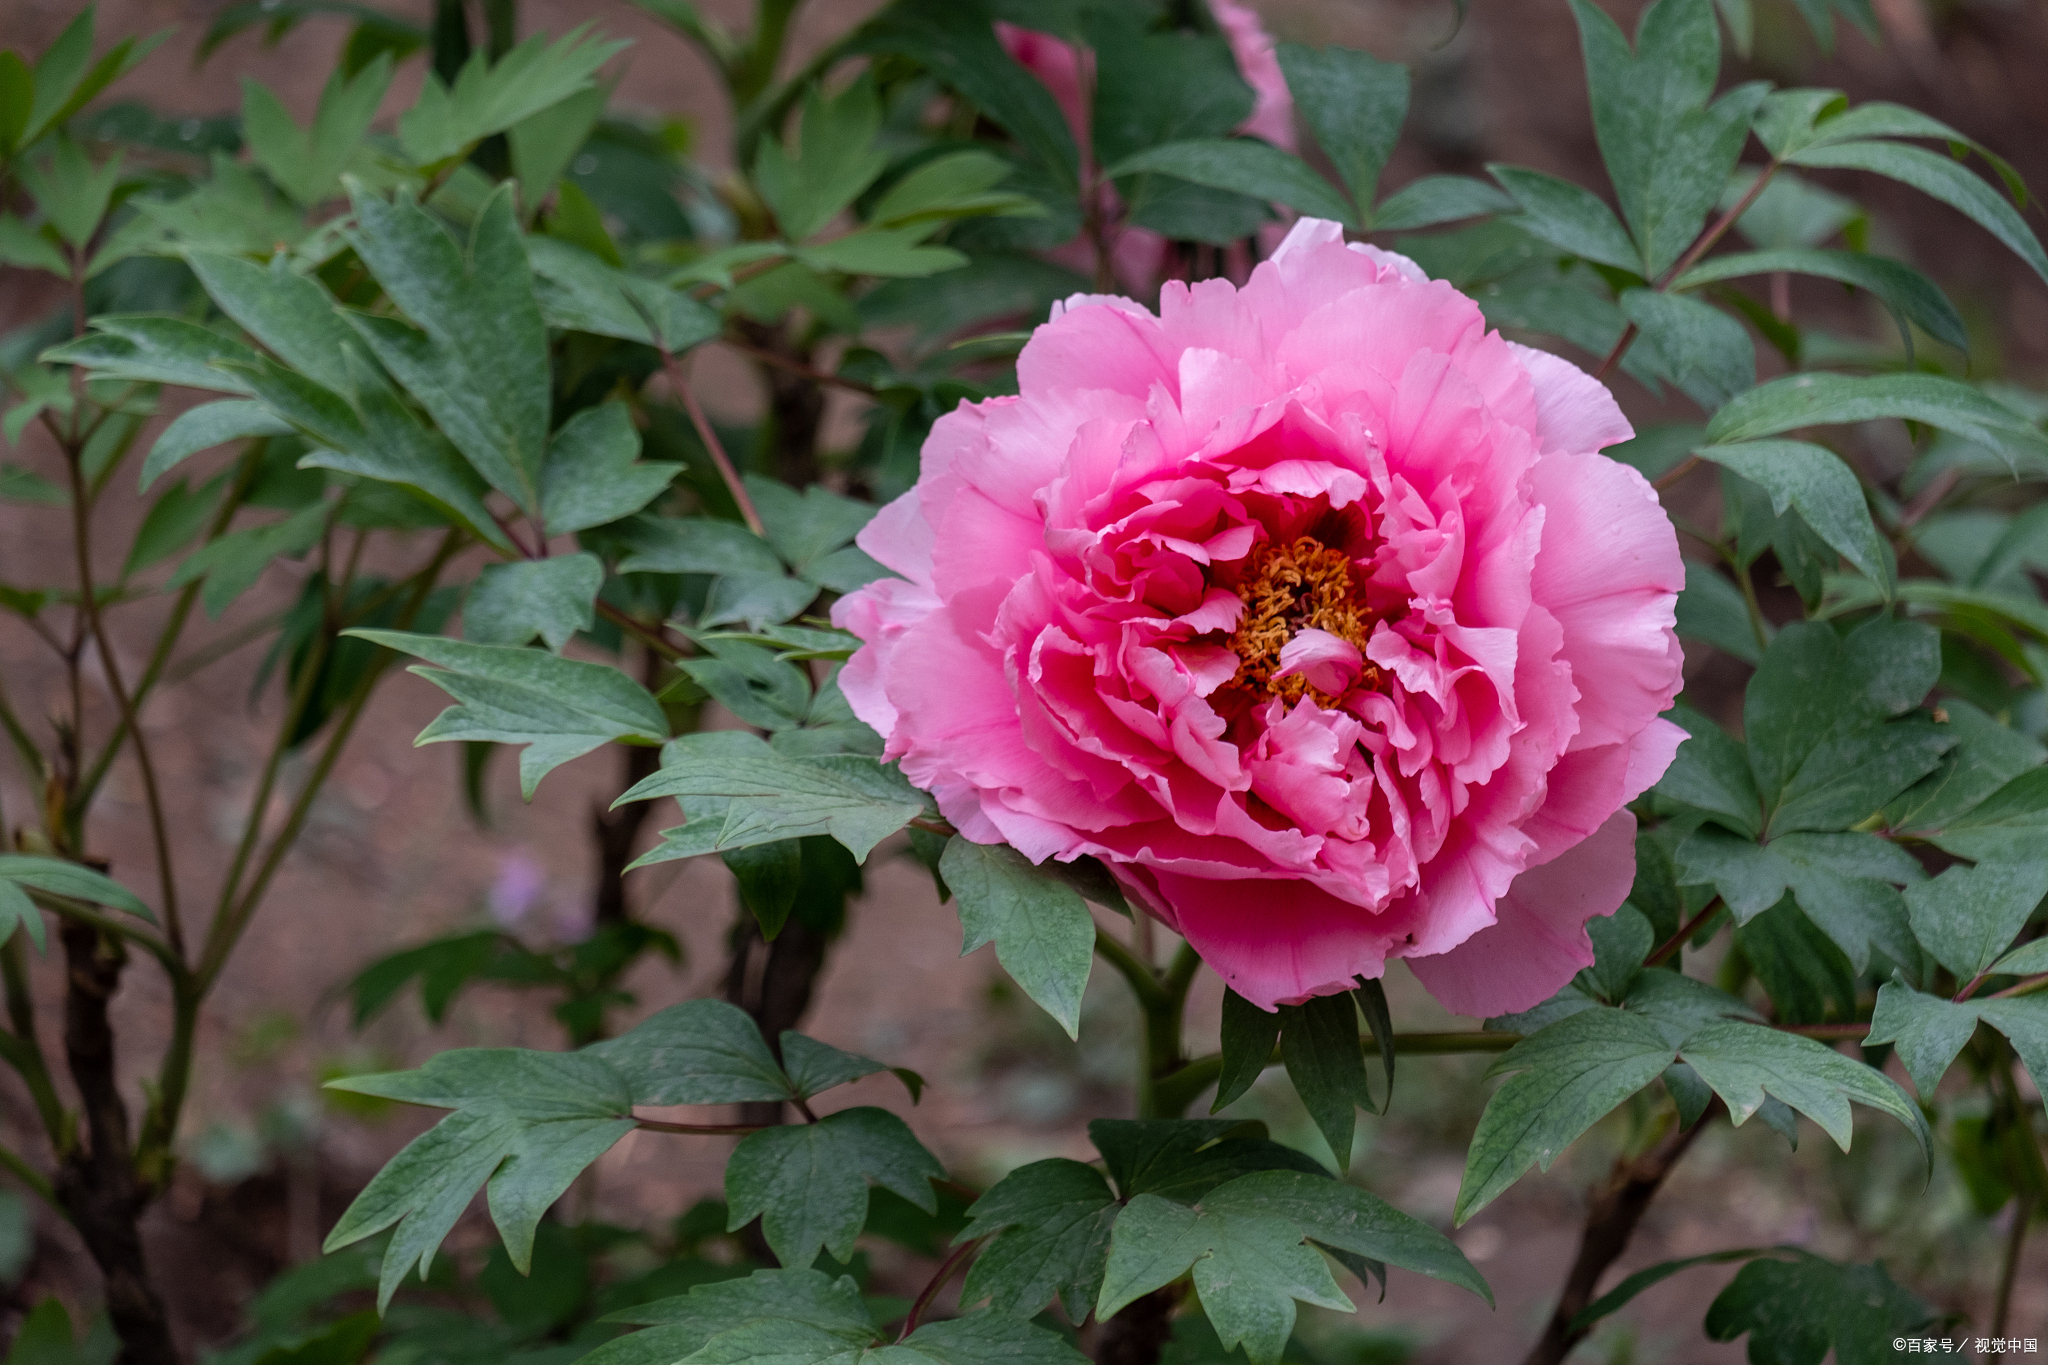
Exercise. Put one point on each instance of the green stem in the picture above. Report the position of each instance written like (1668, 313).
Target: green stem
(1178, 1090)
(1686, 262)
(124, 700)
(174, 628)
(31, 756)
(1755, 608)
(2008, 1275)
(1144, 981)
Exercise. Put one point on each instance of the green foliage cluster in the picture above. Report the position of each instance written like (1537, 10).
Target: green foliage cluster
(463, 340)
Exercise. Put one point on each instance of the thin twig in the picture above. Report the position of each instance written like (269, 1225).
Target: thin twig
(81, 534)
(701, 1129)
(1678, 471)
(1143, 980)
(680, 383)
(1686, 262)
(797, 367)
(1671, 945)
(2025, 987)
(650, 636)
(947, 1269)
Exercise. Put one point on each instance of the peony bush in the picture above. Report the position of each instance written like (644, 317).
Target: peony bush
(1241, 570)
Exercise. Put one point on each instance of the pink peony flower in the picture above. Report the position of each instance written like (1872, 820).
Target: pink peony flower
(1310, 608)
(1138, 253)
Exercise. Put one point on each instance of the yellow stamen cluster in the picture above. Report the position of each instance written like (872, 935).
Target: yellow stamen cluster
(1287, 588)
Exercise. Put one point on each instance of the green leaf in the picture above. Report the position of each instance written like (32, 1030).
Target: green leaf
(815, 1067)
(1902, 288)
(698, 1052)
(1243, 166)
(528, 1123)
(290, 313)
(698, 545)
(204, 427)
(544, 143)
(377, 437)
(1814, 715)
(982, 1339)
(178, 514)
(477, 357)
(689, 1320)
(65, 78)
(23, 485)
(559, 708)
(1746, 1062)
(153, 350)
(59, 878)
(592, 474)
(830, 159)
(1986, 757)
(2008, 826)
(307, 163)
(2025, 960)
(761, 796)
(1569, 217)
(805, 527)
(1153, 88)
(891, 252)
(1571, 1074)
(1044, 935)
(958, 45)
(1712, 609)
(72, 192)
(1319, 1045)
(955, 184)
(1354, 103)
(808, 1182)
(509, 604)
(1437, 199)
(1817, 484)
(1968, 916)
(769, 877)
(1184, 1159)
(231, 564)
(1819, 399)
(1711, 773)
(1795, 1310)
(580, 293)
(1249, 1036)
(23, 246)
(1929, 1031)
(1790, 212)
(487, 98)
(17, 909)
(1345, 1218)
(1051, 1225)
(1668, 151)
(1248, 1267)
(1941, 177)
(1701, 349)
(752, 683)
(1844, 883)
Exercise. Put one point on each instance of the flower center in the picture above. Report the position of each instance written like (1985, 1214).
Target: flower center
(1288, 588)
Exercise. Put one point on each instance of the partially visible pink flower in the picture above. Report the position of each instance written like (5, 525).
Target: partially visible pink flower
(1138, 253)
(1273, 115)
(1310, 607)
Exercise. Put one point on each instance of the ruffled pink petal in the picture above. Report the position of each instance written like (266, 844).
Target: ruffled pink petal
(1274, 942)
(1617, 606)
(1539, 942)
(1574, 411)
(1330, 663)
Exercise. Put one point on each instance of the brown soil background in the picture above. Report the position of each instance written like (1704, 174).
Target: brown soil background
(392, 858)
